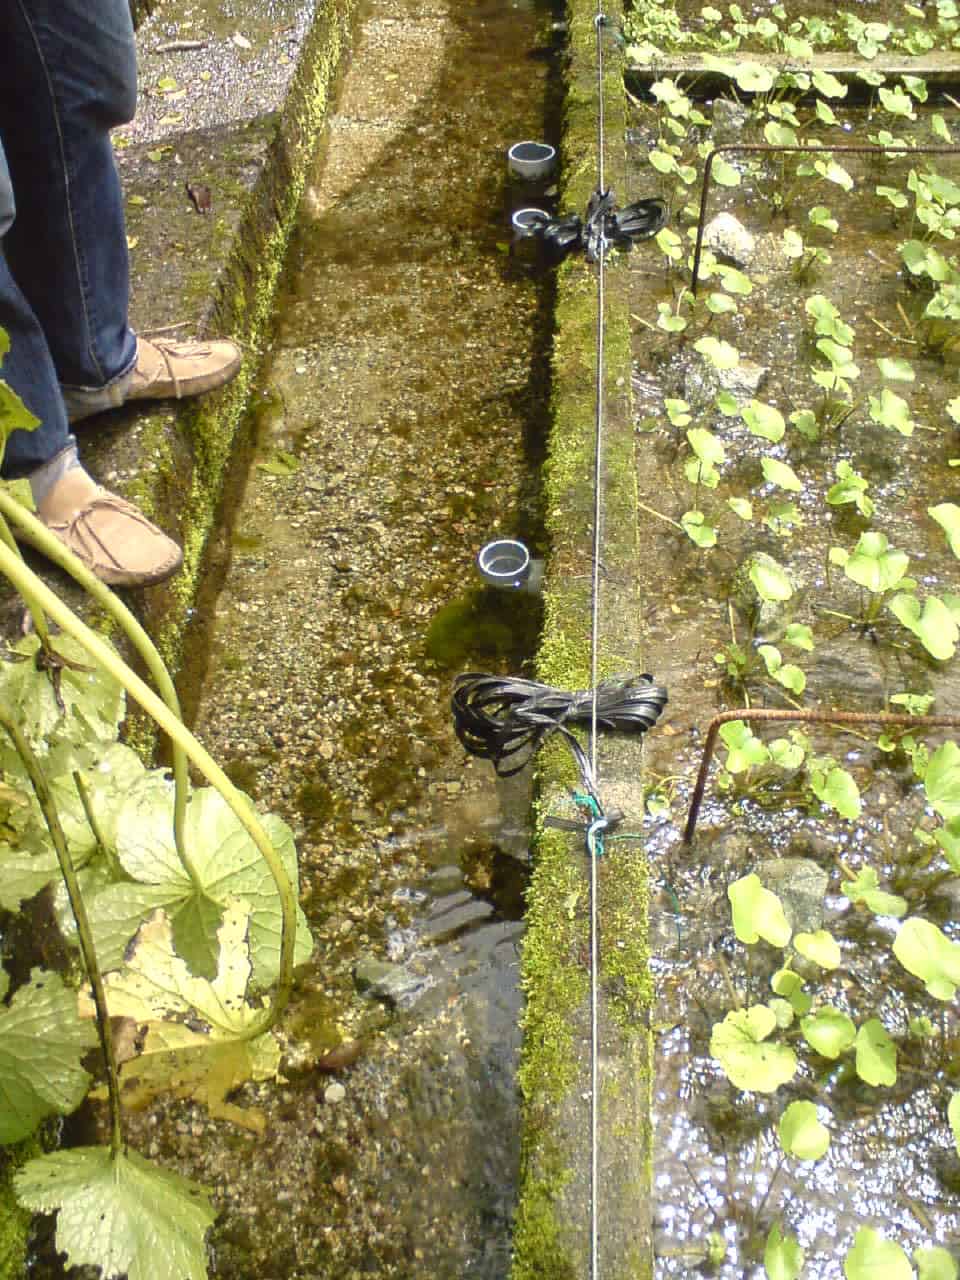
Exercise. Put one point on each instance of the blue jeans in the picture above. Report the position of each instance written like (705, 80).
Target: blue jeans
(67, 76)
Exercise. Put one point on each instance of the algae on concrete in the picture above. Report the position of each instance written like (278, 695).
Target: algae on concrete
(219, 273)
(552, 1238)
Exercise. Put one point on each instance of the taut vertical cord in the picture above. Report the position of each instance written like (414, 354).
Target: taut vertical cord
(594, 676)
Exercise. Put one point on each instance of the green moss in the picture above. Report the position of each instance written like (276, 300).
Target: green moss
(14, 1220)
(539, 1249)
(555, 974)
(484, 624)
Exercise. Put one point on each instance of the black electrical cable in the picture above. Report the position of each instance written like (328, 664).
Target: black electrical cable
(496, 717)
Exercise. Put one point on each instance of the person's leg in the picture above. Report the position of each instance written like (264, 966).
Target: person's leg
(111, 537)
(27, 367)
(67, 76)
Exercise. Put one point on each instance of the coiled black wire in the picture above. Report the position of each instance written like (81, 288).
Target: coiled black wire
(496, 717)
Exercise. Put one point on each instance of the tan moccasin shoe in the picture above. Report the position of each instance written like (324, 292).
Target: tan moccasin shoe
(171, 370)
(109, 535)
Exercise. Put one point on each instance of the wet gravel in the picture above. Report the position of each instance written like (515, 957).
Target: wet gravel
(396, 430)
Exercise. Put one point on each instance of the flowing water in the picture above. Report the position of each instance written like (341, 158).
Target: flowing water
(398, 427)
(722, 1179)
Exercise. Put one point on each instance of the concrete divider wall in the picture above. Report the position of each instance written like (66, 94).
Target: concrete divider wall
(222, 271)
(552, 1238)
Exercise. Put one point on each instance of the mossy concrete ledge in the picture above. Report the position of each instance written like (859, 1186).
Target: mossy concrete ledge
(234, 102)
(553, 1227)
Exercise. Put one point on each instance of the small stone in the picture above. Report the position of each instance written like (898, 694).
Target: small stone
(801, 886)
(391, 983)
(727, 236)
(702, 382)
(334, 1093)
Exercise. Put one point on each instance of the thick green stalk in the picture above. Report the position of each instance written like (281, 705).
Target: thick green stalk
(36, 613)
(84, 933)
(23, 579)
(54, 550)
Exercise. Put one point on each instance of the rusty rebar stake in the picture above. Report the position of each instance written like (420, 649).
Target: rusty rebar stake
(847, 148)
(777, 714)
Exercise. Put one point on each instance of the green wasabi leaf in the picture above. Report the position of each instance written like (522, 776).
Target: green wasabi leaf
(120, 1213)
(953, 1115)
(764, 420)
(837, 789)
(800, 636)
(697, 529)
(724, 174)
(744, 748)
(934, 1263)
(720, 304)
(873, 1258)
(227, 864)
(753, 77)
(874, 564)
(942, 781)
(890, 410)
(865, 888)
(737, 1044)
(708, 447)
(781, 474)
(782, 1257)
(828, 85)
(785, 673)
(741, 507)
(726, 402)
(876, 1054)
(14, 415)
(927, 953)
(93, 701)
(757, 913)
(820, 216)
(934, 624)
(897, 369)
(788, 984)
(828, 1031)
(720, 354)
(820, 947)
(801, 1133)
(947, 516)
(42, 1040)
(770, 579)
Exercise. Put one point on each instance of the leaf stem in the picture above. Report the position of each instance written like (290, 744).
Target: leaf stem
(54, 550)
(660, 516)
(91, 817)
(84, 932)
(36, 613)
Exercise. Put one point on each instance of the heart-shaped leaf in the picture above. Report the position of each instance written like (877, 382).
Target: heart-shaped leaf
(757, 913)
(737, 1044)
(801, 1133)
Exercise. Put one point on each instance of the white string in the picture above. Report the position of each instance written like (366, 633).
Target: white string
(594, 680)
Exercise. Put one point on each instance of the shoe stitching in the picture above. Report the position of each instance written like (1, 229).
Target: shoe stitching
(78, 532)
(170, 351)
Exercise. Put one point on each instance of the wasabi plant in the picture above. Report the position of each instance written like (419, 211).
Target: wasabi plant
(189, 898)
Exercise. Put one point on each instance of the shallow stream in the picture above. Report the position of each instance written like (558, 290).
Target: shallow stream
(721, 1176)
(397, 429)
